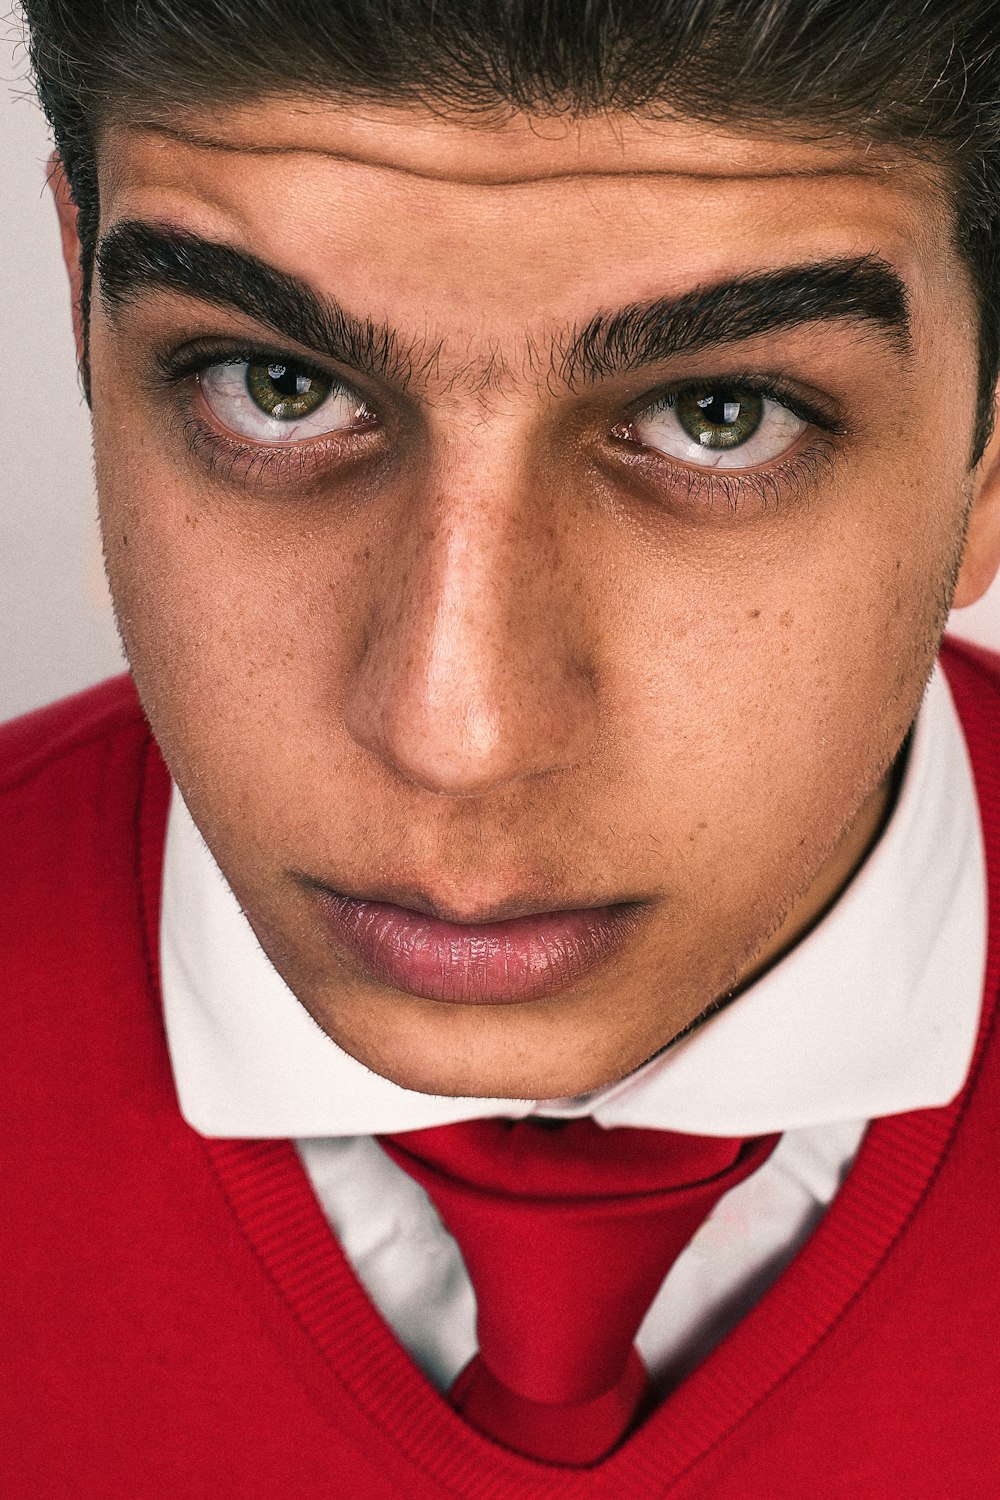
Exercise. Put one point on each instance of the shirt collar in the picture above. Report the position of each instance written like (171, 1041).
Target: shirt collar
(873, 1013)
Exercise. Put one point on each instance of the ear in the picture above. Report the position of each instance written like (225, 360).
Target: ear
(981, 558)
(67, 212)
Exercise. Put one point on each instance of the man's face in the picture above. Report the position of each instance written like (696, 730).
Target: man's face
(492, 583)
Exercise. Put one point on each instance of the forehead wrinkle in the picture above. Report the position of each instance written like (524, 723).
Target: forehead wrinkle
(866, 163)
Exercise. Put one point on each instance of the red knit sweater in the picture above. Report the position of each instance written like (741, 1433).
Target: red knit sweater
(178, 1321)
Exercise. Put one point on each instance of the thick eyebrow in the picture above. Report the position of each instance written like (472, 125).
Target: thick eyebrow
(135, 258)
(863, 290)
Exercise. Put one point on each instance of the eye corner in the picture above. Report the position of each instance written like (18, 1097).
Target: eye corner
(624, 432)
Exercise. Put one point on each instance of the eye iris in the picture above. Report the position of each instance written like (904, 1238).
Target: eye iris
(720, 419)
(286, 391)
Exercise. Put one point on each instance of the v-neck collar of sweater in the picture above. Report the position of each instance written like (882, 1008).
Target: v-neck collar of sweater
(319, 1299)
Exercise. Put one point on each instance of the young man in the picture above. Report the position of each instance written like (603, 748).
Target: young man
(503, 1006)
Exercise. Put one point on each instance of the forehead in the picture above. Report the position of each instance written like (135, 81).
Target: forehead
(480, 228)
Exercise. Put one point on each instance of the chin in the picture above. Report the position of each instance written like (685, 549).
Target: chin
(494, 1057)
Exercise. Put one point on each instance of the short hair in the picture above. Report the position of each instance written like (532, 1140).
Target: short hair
(921, 75)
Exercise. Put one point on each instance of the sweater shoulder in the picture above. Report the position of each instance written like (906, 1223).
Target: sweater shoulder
(71, 777)
(973, 674)
(49, 739)
(82, 794)
(970, 664)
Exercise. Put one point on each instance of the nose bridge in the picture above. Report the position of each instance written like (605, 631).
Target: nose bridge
(475, 671)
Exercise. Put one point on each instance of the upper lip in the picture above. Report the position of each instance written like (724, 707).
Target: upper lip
(466, 914)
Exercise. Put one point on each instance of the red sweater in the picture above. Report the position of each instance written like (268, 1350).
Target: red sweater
(178, 1321)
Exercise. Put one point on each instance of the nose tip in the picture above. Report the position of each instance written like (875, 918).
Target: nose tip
(473, 730)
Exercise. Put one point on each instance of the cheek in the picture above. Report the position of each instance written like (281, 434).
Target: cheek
(239, 637)
(769, 694)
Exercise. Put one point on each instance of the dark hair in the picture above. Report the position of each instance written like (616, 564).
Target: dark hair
(923, 75)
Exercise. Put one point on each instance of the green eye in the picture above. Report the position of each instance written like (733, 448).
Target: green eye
(720, 418)
(718, 427)
(275, 400)
(288, 392)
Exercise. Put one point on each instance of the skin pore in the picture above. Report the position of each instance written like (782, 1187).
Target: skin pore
(497, 641)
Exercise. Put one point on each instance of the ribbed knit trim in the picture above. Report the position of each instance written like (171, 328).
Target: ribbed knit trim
(303, 1267)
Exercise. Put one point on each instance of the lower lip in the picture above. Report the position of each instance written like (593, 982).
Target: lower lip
(493, 963)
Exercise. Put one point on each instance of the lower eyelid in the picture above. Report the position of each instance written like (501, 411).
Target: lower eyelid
(791, 477)
(245, 461)
(271, 467)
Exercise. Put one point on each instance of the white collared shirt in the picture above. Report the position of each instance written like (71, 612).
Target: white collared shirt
(873, 1013)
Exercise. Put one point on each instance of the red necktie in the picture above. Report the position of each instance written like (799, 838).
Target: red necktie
(567, 1231)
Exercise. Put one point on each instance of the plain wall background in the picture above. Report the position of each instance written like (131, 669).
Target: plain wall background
(56, 628)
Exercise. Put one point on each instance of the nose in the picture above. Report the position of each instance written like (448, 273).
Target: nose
(475, 672)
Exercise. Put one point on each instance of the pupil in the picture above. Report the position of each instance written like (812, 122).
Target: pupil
(719, 411)
(285, 391)
(287, 381)
(721, 418)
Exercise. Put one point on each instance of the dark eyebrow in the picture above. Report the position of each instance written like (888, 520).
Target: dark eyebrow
(860, 290)
(134, 258)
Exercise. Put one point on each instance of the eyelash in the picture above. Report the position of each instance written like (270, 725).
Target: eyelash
(788, 477)
(231, 457)
(772, 387)
(252, 463)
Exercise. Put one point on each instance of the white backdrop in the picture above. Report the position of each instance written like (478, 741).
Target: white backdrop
(56, 629)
